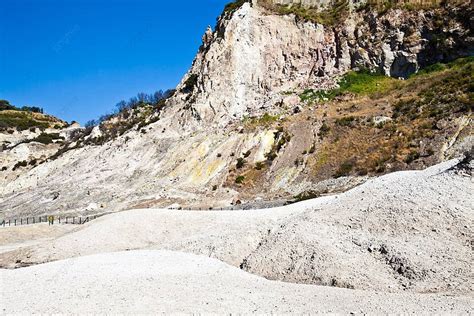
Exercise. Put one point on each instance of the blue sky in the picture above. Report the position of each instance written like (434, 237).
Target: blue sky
(78, 58)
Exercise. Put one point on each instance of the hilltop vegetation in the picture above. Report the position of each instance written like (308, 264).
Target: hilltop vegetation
(26, 117)
(340, 9)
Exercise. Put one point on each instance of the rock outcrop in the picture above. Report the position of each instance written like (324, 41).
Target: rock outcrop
(255, 55)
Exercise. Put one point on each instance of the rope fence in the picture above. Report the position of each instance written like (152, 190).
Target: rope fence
(51, 220)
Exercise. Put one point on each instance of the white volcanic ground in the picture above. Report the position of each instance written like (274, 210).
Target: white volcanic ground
(154, 281)
(384, 245)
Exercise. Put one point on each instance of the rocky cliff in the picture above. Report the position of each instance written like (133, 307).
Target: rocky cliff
(257, 54)
(275, 106)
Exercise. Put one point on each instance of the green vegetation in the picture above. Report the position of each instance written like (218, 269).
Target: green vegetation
(19, 164)
(5, 105)
(45, 138)
(323, 132)
(332, 16)
(233, 6)
(240, 163)
(382, 6)
(425, 111)
(307, 195)
(281, 138)
(361, 82)
(364, 82)
(239, 180)
(412, 156)
(344, 169)
(20, 120)
(190, 83)
(345, 121)
(259, 165)
(264, 120)
(453, 94)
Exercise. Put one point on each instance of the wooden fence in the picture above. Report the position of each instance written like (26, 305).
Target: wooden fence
(73, 220)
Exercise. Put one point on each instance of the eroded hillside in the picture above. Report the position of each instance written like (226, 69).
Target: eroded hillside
(275, 107)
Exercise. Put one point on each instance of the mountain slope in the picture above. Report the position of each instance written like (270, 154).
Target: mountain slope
(270, 110)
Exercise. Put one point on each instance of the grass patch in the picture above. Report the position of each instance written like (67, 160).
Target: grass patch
(359, 83)
(266, 120)
(346, 121)
(335, 14)
(425, 110)
(20, 120)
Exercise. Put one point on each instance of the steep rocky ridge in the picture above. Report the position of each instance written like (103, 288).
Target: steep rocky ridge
(240, 125)
(255, 55)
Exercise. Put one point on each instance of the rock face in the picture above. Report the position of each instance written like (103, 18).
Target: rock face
(254, 56)
(239, 109)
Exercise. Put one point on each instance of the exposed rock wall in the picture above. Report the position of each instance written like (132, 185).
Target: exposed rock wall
(255, 55)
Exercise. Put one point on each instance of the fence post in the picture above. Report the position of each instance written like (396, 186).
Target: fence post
(73, 219)
(15, 221)
(80, 220)
(39, 219)
(59, 220)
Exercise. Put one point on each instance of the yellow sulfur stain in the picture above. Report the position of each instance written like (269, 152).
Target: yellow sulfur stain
(266, 140)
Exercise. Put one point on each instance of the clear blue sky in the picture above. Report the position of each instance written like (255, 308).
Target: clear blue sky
(78, 58)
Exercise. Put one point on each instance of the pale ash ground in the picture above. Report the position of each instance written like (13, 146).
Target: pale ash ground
(393, 239)
(153, 281)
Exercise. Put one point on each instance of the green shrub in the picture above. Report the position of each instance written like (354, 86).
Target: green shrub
(19, 120)
(344, 169)
(239, 179)
(240, 163)
(259, 165)
(307, 195)
(19, 164)
(45, 138)
(323, 131)
(190, 83)
(233, 6)
(345, 121)
(412, 156)
(330, 17)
